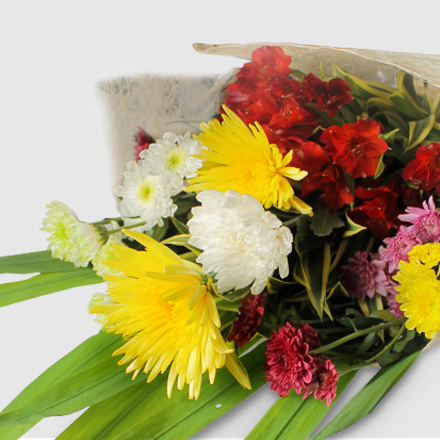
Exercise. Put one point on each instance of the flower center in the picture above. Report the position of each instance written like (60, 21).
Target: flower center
(147, 192)
(175, 159)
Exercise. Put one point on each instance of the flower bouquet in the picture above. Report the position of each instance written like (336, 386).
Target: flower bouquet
(290, 236)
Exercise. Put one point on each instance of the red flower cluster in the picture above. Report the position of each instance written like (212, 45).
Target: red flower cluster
(264, 93)
(377, 210)
(142, 141)
(356, 147)
(424, 170)
(248, 320)
(289, 366)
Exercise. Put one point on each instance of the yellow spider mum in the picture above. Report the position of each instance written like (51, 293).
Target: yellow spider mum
(170, 319)
(420, 289)
(240, 158)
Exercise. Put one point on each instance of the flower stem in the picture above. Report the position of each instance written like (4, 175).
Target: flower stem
(355, 335)
(291, 222)
(134, 225)
(377, 355)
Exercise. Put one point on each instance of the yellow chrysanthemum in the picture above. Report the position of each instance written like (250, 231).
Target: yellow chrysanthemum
(240, 158)
(420, 289)
(168, 316)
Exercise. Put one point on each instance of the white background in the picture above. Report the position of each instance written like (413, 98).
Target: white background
(52, 53)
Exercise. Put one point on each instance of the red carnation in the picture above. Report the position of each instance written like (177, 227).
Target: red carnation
(378, 211)
(248, 320)
(424, 170)
(309, 335)
(324, 380)
(329, 96)
(288, 364)
(142, 140)
(336, 192)
(356, 147)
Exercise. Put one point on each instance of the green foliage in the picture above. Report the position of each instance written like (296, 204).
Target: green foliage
(366, 400)
(46, 283)
(87, 355)
(145, 408)
(324, 220)
(34, 262)
(292, 417)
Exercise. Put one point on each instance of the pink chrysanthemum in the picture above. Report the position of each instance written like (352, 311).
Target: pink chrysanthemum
(398, 247)
(288, 366)
(248, 320)
(365, 275)
(393, 305)
(425, 222)
(324, 380)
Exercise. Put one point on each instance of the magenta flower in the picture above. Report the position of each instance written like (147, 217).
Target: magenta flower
(365, 275)
(398, 247)
(288, 364)
(324, 380)
(425, 222)
(142, 141)
(248, 320)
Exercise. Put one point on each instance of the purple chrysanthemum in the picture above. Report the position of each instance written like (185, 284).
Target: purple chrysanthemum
(425, 222)
(365, 275)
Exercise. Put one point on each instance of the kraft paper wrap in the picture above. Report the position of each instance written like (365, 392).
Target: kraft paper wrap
(155, 102)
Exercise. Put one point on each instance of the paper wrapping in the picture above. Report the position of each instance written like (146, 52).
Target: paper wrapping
(155, 102)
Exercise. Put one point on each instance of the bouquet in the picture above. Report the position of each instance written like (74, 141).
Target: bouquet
(292, 238)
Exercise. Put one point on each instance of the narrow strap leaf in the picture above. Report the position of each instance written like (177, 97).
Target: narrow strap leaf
(365, 401)
(141, 409)
(46, 283)
(34, 262)
(291, 417)
(89, 353)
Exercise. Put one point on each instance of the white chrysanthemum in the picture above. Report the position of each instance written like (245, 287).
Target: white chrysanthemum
(70, 239)
(105, 253)
(174, 156)
(145, 196)
(241, 243)
(101, 299)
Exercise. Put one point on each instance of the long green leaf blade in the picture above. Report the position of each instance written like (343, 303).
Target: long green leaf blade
(34, 262)
(46, 283)
(365, 401)
(85, 355)
(292, 417)
(140, 410)
(90, 384)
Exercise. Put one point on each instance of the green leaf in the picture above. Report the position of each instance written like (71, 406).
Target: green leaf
(181, 227)
(140, 410)
(365, 401)
(358, 87)
(86, 354)
(316, 265)
(46, 283)
(385, 316)
(406, 107)
(405, 83)
(158, 232)
(182, 240)
(94, 381)
(418, 130)
(324, 220)
(352, 228)
(34, 262)
(274, 285)
(291, 417)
